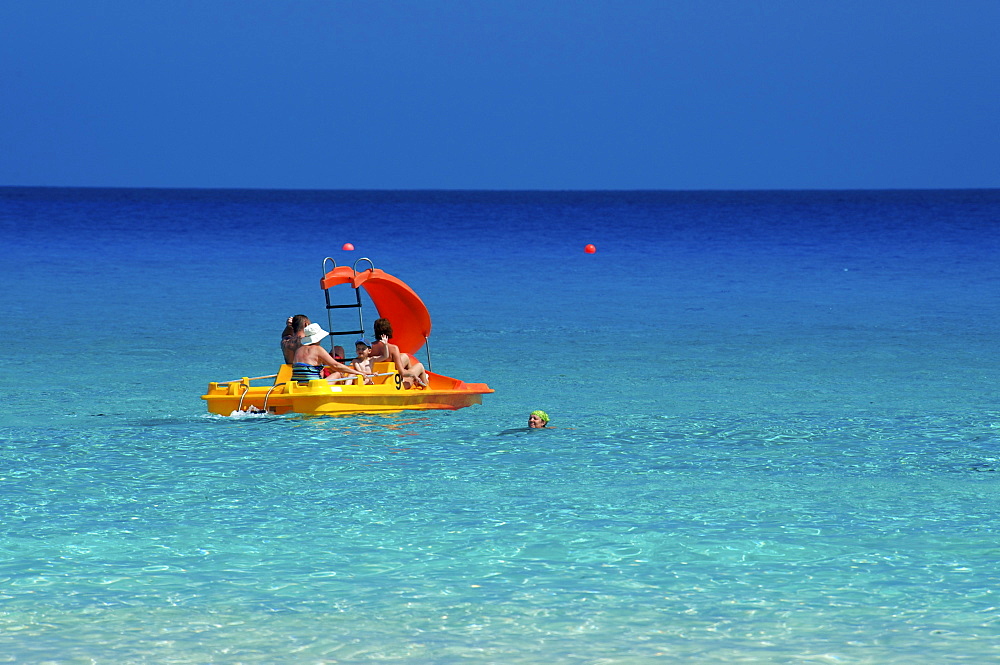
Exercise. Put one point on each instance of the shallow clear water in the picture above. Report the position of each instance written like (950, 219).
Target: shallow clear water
(776, 431)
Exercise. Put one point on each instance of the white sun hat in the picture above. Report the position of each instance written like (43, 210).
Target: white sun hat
(313, 333)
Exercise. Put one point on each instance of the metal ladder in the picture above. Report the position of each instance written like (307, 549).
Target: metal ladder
(329, 306)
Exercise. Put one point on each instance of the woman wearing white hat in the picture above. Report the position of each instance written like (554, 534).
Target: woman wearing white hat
(311, 358)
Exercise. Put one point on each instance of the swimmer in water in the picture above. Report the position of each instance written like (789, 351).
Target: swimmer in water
(538, 419)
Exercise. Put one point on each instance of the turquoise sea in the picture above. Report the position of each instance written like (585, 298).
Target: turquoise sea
(775, 431)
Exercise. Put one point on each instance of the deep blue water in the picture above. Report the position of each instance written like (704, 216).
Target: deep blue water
(776, 430)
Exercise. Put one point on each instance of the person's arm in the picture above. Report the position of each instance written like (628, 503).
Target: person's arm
(330, 361)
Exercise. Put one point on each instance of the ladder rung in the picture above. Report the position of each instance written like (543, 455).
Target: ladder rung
(342, 306)
(347, 332)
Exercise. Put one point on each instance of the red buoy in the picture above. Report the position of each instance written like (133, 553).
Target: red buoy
(590, 249)
(348, 247)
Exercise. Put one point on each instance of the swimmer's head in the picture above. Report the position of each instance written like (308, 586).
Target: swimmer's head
(538, 419)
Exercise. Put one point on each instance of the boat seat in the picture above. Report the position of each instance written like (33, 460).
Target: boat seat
(387, 368)
(284, 374)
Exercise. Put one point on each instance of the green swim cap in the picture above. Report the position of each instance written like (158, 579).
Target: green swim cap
(541, 414)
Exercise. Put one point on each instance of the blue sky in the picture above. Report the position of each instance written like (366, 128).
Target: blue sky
(370, 94)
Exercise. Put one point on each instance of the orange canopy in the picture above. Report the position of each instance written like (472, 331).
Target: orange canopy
(394, 300)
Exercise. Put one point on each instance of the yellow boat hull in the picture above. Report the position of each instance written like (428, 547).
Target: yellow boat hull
(321, 397)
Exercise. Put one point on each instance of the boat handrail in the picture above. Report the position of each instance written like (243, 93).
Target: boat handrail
(354, 377)
(246, 389)
(252, 378)
(331, 260)
(355, 266)
(268, 395)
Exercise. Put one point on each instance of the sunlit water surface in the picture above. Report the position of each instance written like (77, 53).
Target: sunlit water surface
(774, 439)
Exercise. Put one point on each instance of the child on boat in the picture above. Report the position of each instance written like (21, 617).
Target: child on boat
(338, 354)
(363, 361)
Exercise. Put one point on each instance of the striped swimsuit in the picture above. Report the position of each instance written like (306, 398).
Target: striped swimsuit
(306, 372)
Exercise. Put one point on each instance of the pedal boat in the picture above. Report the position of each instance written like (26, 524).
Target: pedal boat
(411, 322)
